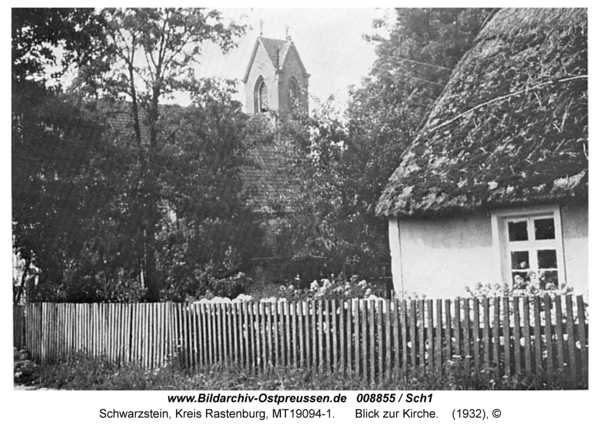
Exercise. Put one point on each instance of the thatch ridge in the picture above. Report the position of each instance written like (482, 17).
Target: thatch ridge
(511, 126)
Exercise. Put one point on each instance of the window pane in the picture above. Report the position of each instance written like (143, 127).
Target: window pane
(263, 98)
(547, 259)
(517, 231)
(520, 278)
(544, 229)
(519, 260)
(549, 279)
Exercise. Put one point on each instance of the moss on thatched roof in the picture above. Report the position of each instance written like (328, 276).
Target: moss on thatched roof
(511, 126)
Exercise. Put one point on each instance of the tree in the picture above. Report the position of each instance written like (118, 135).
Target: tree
(151, 52)
(211, 232)
(412, 67)
(119, 189)
(342, 164)
(47, 129)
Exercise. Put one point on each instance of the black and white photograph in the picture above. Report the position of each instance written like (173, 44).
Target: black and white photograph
(370, 206)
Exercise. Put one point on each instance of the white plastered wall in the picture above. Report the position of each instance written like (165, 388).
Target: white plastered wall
(440, 257)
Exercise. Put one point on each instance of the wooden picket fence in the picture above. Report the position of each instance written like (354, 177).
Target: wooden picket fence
(377, 339)
(19, 326)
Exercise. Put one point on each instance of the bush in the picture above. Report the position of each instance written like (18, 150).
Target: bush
(328, 288)
(504, 290)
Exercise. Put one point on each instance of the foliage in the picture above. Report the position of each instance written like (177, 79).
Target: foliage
(152, 52)
(504, 290)
(412, 67)
(48, 159)
(37, 32)
(341, 163)
(81, 373)
(327, 288)
(313, 237)
(118, 196)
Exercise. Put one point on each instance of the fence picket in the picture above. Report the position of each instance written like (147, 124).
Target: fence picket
(548, 335)
(246, 335)
(341, 364)
(537, 336)
(301, 325)
(335, 334)
(438, 336)
(517, 335)
(349, 337)
(365, 348)
(571, 337)
(431, 349)
(496, 337)
(527, 335)
(371, 322)
(466, 335)
(476, 336)
(388, 339)
(355, 315)
(506, 336)
(320, 335)
(485, 304)
(456, 329)
(421, 329)
(403, 327)
(583, 340)
(448, 329)
(288, 332)
(395, 322)
(263, 333)
(413, 334)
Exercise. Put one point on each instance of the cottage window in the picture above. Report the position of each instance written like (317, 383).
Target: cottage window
(530, 246)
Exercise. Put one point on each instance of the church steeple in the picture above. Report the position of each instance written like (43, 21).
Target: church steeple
(275, 78)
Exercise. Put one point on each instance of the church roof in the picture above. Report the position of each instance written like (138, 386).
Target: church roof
(510, 128)
(277, 51)
(267, 176)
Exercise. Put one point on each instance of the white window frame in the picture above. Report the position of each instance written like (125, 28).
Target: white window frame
(500, 219)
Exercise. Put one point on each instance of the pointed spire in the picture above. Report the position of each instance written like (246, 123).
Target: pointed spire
(261, 27)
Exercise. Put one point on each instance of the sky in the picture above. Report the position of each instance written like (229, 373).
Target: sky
(330, 43)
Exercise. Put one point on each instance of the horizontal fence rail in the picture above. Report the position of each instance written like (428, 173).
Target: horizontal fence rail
(378, 339)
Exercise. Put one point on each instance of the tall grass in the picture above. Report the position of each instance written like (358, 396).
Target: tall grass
(81, 373)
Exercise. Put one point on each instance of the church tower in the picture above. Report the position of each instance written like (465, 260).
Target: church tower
(275, 79)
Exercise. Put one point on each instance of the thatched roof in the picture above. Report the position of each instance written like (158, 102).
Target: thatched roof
(511, 126)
